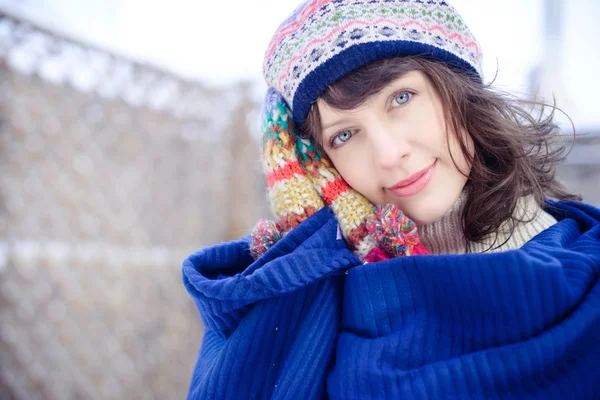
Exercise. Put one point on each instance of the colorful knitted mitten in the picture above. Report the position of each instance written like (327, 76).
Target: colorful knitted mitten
(302, 180)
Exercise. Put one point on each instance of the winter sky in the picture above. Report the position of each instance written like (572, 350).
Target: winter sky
(219, 42)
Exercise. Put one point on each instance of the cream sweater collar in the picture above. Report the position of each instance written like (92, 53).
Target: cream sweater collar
(445, 236)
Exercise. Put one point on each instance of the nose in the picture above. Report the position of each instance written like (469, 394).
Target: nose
(390, 146)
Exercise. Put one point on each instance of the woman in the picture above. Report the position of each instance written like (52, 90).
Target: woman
(424, 248)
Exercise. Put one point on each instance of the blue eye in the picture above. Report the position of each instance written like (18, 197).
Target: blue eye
(402, 97)
(341, 138)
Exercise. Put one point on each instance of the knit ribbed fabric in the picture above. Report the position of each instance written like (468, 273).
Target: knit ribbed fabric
(270, 325)
(441, 236)
(308, 320)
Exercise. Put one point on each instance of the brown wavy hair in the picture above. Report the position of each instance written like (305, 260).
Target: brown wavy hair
(517, 143)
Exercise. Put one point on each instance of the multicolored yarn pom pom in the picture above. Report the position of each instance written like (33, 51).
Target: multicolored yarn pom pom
(264, 235)
(395, 232)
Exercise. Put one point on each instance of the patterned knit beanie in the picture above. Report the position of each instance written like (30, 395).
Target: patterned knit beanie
(321, 42)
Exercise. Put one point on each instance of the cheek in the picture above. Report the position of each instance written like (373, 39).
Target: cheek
(355, 170)
(461, 158)
(430, 134)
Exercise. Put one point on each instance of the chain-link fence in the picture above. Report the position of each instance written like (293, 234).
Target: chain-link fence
(111, 173)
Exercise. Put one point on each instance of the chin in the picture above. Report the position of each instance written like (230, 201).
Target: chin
(422, 221)
(426, 215)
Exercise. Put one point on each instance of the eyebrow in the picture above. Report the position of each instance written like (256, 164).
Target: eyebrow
(338, 122)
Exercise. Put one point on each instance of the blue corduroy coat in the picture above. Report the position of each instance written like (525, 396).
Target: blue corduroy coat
(308, 320)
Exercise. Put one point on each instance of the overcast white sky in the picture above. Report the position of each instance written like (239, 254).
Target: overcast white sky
(219, 42)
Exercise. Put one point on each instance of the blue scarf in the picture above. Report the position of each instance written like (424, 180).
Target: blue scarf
(308, 320)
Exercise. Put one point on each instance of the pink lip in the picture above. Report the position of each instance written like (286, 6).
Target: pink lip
(414, 183)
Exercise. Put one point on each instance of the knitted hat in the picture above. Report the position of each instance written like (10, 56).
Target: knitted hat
(321, 42)
(324, 40)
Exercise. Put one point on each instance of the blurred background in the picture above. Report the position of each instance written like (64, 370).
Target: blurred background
(129, 138)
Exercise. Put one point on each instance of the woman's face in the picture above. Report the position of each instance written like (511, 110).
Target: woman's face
(394, 148)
